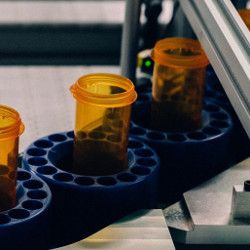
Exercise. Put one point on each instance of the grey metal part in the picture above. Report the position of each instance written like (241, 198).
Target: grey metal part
(226, 41)
(204, 215)
(240, 203)
(130, 39)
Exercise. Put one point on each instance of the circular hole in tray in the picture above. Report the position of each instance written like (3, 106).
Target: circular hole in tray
(110, 115)
(4, 170)
(137, 131)
(114, 138)
(97, 135)
(155, 136)
(12, 175)
(107, 181)
(43, 144)
(57, 137)
(6, 183)
(23, 176)
(219, 124)
(219, 115)
(84, 181)
(4, 219)
(135, 144)
(148, 162)
(37, 161)
(197, 136)
(47, 170)
(223, 98)
(19, 213)
(36, 152)
(126, 177)
(211, 108)
(71, 134)
(32, 204)
(117, 124)
(81, 135)
(211, 131)
(33, 184)
(37, 194)
(209, 93)
(144, 152)
(140, 170)
(63, 177)
(176, 137)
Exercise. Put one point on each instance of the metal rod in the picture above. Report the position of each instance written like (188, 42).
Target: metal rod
(130, 38)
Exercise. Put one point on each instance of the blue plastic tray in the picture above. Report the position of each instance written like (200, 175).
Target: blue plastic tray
(84, 204)
(187, 158)
(27, 225)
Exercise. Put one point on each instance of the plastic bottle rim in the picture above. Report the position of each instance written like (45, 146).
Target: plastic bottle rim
(15, 128)
(81, 93)
(160, 53)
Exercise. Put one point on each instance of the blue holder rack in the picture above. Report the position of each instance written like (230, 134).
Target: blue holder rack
(214, 92)
(187, 158)
(27, 225)
(83, 205)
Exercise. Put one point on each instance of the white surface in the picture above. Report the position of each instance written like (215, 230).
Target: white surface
(144, 229)
(61, 11)
(71, 12)
(41, 96)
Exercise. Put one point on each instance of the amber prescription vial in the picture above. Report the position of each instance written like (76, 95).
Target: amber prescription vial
(103, 108)
(178, 84)
(11, 127)
(245, 15)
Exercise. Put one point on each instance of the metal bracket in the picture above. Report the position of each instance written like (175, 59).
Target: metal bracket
(226, 41)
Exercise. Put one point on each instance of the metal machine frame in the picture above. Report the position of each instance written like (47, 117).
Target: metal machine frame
(224, 37)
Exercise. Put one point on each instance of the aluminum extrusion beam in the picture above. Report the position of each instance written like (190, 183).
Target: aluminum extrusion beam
(130, 38)
(226, 41)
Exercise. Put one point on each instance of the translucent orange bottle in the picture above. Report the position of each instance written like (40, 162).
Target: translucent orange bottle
(178, 84)
(11, 127)
(103, 108)
(245, 15)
